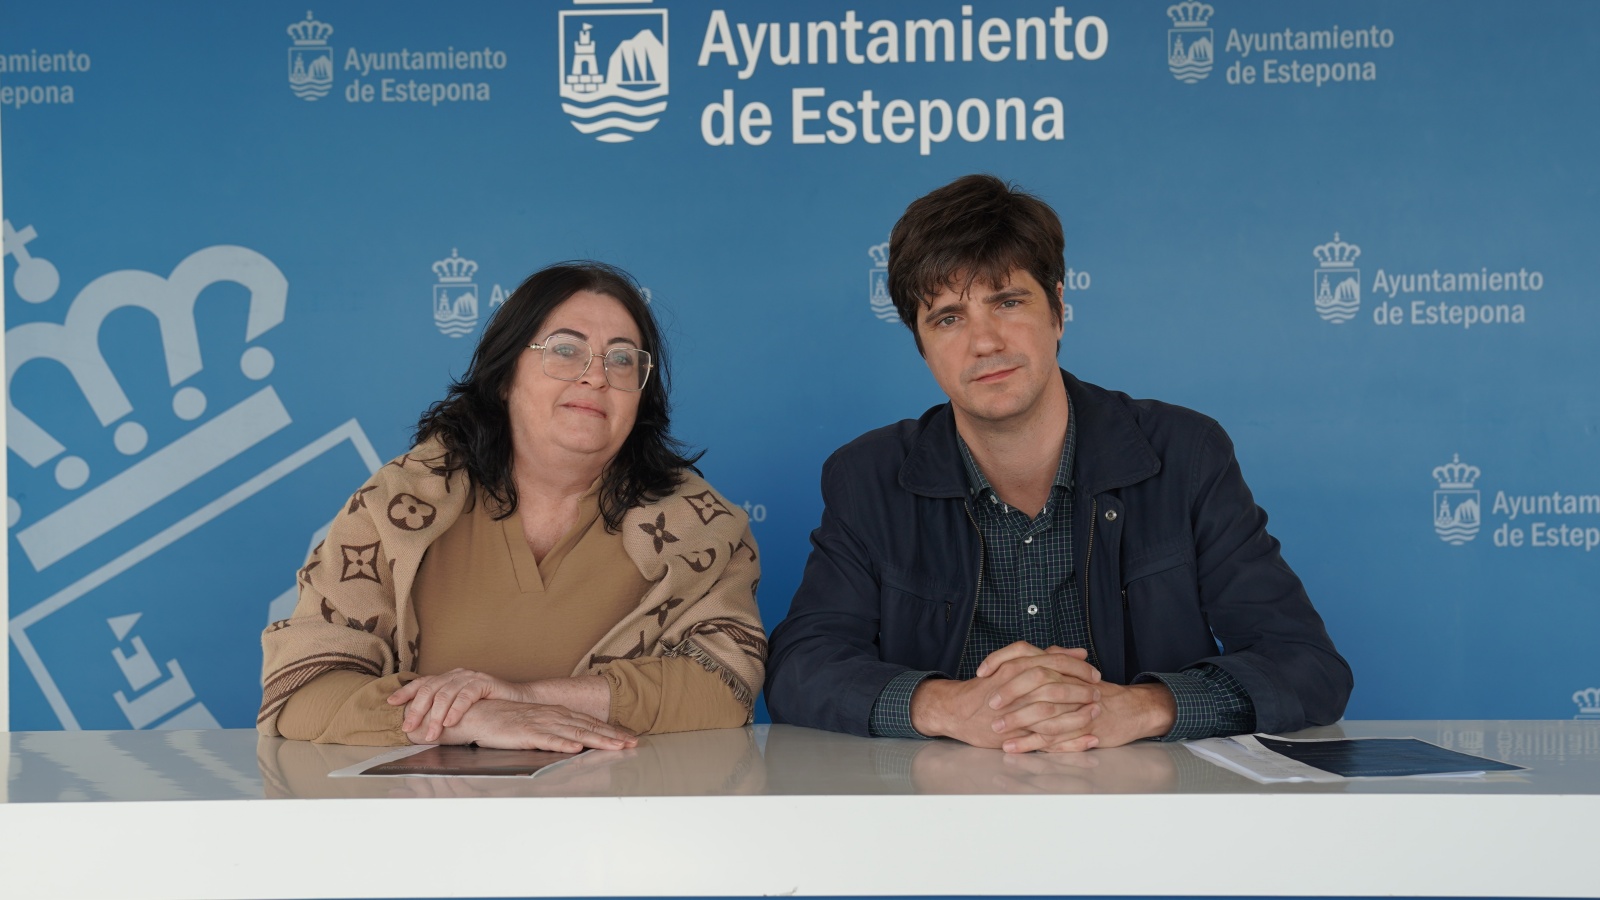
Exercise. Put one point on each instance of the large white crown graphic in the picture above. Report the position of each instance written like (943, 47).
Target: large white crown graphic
(88, 508)
(310, 33)
(1190, 14)
(454, 269)
(1456, 475)
(880, 255)
(1336, 254)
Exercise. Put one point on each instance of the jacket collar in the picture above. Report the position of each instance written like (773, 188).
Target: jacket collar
(1112, 451)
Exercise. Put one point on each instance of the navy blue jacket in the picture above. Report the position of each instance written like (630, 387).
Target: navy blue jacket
(1175, 562)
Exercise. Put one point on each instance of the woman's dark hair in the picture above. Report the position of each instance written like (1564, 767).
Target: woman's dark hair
(976, 228)
(474, 424)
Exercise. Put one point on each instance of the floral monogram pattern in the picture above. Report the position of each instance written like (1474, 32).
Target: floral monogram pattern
(361, 561)
(596, 659)
(702, 560)
(658, 532)
(410, 513)
(665, 607)
(358, 500)
(707, 505)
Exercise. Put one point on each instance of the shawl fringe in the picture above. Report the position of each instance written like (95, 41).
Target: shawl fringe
(688, 649)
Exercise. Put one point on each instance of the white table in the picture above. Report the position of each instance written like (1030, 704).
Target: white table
(782, 810)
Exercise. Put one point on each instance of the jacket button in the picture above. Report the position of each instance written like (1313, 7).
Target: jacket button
(1111, 515)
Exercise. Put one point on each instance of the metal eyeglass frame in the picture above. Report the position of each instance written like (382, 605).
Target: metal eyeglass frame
(649, 364)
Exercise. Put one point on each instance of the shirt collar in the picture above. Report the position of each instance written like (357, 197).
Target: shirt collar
(978, 484)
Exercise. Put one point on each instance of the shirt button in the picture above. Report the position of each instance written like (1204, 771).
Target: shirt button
(1033, 610)
(993, 499)
(1111, 515)
(1028, 539)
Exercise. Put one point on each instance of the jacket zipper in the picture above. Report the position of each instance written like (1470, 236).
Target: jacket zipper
(977, 593)
(1088, 555)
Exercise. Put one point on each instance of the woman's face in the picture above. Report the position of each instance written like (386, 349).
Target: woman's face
(588, 417)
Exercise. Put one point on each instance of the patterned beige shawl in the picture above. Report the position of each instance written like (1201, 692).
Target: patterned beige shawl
(355, 609)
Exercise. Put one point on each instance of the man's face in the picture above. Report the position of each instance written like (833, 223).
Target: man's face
(992, 349)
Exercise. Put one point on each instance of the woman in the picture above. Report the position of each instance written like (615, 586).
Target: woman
(543, 570)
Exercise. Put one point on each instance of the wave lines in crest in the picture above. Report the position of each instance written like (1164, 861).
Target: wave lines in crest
(1456, 536)
(614, 107)
(1190, 74)
(606, 124)
(1338, 310)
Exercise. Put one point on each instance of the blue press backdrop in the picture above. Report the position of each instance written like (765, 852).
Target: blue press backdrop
(1424, 436)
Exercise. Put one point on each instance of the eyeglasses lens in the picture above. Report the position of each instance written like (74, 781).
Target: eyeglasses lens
(626, 368)
(565, 359)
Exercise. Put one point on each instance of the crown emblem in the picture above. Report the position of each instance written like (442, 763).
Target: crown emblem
(1336, 254)
(1588, 701)
(310, 33)
(1456, 475)
(880, 255)
(89, 506)
(455, 270)
(1190, 14)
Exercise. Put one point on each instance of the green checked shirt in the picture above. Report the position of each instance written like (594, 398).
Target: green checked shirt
(1029, 593)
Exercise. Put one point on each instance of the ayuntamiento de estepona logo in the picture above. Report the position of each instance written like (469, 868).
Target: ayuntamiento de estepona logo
(310, 59)
(878, 284)
(457, 305)
(428, 76)
(455, 296)
(1464, 297)
(1538, 520)
(1336, 283)
(1285, 55)
(1456, 504)
(1189, 41)
(626, 94)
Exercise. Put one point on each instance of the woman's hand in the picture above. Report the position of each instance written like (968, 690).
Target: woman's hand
(437, 702)
(509, 725)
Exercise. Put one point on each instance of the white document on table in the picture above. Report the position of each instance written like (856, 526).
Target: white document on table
(1245, 755)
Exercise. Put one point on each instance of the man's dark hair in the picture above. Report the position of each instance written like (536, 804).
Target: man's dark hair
(474, 424)
(974, 229)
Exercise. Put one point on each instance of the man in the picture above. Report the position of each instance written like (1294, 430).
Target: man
(1040, 564)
